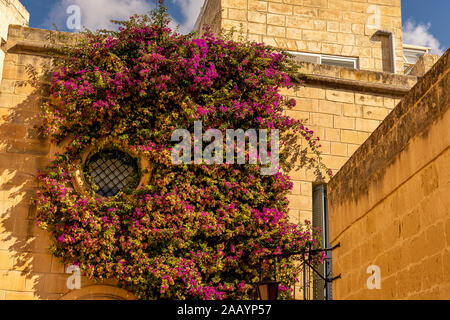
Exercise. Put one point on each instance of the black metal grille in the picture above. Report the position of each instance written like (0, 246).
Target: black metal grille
(111, 172)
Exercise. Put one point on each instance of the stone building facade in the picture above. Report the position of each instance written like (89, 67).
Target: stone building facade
(342, 105)
(389, 204)
(11, 12)
(346, 28)
(27, 270)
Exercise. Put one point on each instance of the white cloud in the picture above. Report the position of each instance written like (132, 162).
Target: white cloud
(190, 10)
(97, 14)
(418, 34)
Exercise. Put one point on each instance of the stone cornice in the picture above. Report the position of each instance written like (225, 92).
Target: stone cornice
(34, 41)
(355, 85)
(30, 47)
(365, 81)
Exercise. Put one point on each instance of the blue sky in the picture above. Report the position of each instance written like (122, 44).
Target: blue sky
(424, 22)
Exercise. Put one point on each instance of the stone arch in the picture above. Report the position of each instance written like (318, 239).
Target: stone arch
(99, 292)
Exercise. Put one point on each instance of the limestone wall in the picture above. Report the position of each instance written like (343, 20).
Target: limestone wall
(11, 12)
(424, 64)
(27, 270)
(335, 27)
(343, 107)
(210, 15)
(389, 205)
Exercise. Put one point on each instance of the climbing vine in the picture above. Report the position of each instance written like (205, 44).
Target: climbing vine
(193, 231)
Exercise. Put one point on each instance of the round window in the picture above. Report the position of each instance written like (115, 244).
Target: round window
(112, 171)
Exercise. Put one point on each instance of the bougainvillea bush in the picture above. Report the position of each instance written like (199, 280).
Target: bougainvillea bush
(194, 231)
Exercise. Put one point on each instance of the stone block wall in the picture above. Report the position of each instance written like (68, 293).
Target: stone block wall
(389, 205)
(210, 15)
(11, 12)
(424, 64)
(27, 270)
(343, 107)
(334, 27)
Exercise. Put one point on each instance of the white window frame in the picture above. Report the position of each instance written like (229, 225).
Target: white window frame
(320, 57)
(413, 49)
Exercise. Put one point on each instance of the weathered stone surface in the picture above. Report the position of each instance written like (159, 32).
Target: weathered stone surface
(338, 27)
(424, 64)
(343, 106)
(393, 193)
(11, 12)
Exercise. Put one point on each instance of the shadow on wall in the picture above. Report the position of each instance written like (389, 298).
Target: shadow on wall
(22, 153)
(387, 50)
(27, 270)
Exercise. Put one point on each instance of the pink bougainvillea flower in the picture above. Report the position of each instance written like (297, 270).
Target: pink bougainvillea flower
(192, 231)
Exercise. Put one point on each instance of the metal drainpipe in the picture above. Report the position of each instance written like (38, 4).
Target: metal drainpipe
(391, 37)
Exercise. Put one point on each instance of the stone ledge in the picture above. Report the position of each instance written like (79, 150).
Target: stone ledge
(356, 80)
(37, 41)
(30, 47)
(46, 42)
(355, 85)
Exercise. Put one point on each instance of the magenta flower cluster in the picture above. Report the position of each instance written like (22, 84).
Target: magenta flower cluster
(194, 231)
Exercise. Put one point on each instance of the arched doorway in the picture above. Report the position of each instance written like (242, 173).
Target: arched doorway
(99, 292)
